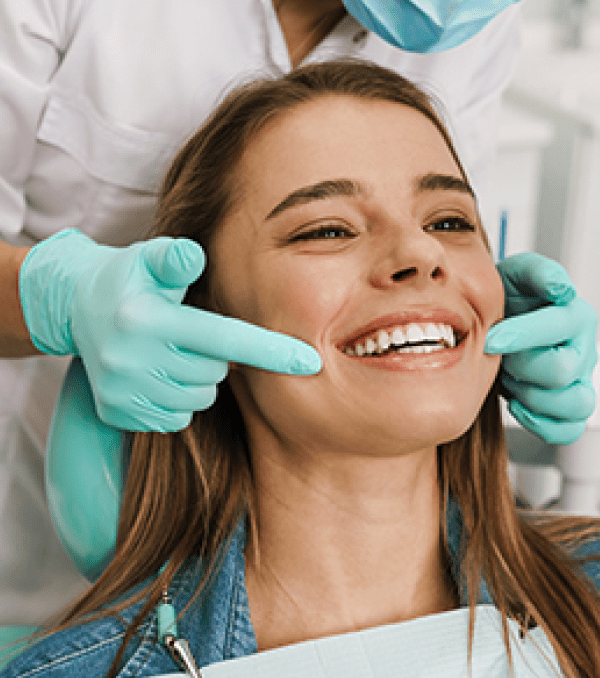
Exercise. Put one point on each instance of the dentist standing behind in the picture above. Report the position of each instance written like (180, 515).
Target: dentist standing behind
(95, 99)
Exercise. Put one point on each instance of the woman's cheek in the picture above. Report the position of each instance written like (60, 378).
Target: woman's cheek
(488, 300)
(483, 289)
(303, 300)
(493, 294)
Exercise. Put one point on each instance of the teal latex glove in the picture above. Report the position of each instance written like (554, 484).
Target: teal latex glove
(151, 362)
(549, 344)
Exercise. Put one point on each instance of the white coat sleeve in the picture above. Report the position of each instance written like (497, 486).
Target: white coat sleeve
(34, 34)
(476, 105)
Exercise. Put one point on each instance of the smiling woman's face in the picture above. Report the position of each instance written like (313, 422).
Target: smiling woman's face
(356, 232)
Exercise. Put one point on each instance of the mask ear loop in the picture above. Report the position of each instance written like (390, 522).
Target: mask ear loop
(168, 635)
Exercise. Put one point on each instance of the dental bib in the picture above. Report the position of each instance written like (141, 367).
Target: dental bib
(426, 25)
(429, 647)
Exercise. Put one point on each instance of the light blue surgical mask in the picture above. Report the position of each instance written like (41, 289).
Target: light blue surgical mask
(428, 647)
(426, 25)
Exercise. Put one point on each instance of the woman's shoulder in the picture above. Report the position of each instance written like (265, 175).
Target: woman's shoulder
(577, 537)
(86, 649)
(89, 648)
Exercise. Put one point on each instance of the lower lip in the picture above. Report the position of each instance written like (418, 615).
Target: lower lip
(412, 362)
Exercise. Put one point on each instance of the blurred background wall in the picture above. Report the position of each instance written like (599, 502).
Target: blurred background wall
(540, 9)
(546, 198)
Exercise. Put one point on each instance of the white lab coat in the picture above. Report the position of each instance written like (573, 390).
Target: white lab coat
(95, 98)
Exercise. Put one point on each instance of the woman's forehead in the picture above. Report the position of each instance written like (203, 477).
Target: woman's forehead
(342, 111)
(333, 137)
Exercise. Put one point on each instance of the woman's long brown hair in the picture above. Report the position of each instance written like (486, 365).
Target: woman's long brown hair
(186, 491)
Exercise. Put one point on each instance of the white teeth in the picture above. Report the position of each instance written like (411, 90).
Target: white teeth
(419, 348)
(448, 335)
(433, 333)
(370, 346)
(383, 341)
(406, 339)
(398, 336)
(414, 334)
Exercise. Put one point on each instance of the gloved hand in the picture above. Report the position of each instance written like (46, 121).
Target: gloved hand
(151, 362)
(549, 342)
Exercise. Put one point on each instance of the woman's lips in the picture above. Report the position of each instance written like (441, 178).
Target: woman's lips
(410, 326)
(414, 339)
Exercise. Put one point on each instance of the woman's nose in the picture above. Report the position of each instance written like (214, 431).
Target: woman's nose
(415, 257)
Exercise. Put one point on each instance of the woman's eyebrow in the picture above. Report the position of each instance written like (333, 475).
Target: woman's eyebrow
(334, 188)
(442, 182)
(322, 190)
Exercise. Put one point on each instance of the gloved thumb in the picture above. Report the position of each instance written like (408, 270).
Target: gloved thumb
(174, 262)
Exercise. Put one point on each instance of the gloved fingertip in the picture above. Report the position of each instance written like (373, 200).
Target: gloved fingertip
(161, 424)
(551, 431)
(183, 263)
(516, 409)
(498, 340)
(571, 434)
(184, 420)
(554, 282)
(588, 398)
(561, 293)
(186, 255)
(305, 361)
(524, 417)
(174, 262)
(492, 347)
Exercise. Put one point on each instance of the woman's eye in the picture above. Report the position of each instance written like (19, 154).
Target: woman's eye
(450, 225)
(322, 233)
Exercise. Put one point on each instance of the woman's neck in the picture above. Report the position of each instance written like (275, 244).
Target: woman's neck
(345, 549)
(304, 23)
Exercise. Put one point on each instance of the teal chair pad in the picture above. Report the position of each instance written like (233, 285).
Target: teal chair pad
(12, 641)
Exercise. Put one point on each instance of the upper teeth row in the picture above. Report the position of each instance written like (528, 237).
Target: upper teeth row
(398, 336)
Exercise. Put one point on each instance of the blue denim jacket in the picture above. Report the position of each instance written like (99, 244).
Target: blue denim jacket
(217, 625)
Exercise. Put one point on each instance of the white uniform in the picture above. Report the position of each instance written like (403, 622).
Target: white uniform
(95, 98)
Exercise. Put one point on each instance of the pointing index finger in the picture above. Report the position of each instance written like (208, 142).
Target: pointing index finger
(545, 327)
(234, 340)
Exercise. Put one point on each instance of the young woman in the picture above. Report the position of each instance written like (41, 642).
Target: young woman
(333, 208)
(97, 96)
